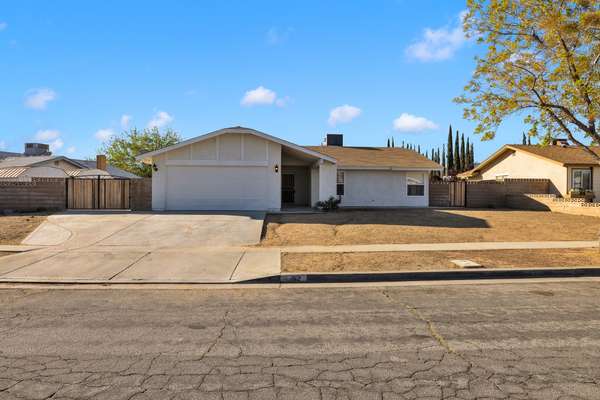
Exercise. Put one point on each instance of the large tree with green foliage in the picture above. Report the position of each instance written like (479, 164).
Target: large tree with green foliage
(542, 62)
(121, 150)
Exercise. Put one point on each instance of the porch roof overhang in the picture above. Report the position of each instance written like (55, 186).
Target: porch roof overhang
(147, 157)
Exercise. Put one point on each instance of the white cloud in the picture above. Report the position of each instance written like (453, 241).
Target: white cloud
(2, 145)
(56, 145)
(259, 96)
(125, 120)
(277, 36)
(411, 123)
(343, 114)
(47, 134)
(439, 44)
(37, 99)
(104, 134)
(71, 149)
(3, 25)
(160, 119)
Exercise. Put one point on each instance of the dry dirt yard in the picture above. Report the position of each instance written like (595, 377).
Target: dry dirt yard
(426, 260)
(14, 228)
(425, 225)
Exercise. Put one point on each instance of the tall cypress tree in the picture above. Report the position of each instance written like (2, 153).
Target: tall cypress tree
(388, 143)
(463, 154)
(450, 153)
(393, 141)
(457, 161)
(444, 160)
(524, 138)
(529, 140)
(472, 156)
(468, 163)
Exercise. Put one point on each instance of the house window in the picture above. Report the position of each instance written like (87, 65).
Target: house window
(581, 179)
(340, 183)
(415, 184)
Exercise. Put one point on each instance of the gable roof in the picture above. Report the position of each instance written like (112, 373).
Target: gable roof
(376, 157)
(236, 129)
(111, 169)
(30, 161)
(564, 155)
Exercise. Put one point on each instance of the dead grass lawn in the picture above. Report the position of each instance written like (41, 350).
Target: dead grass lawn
(14, 228)
(423, 261)
(425, 226)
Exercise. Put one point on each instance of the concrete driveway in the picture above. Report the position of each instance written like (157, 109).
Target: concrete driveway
(138, 247)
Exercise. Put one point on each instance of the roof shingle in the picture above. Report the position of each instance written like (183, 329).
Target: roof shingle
(564, 155)
(373, 157)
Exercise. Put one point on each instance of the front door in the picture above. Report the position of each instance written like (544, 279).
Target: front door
(288, 190)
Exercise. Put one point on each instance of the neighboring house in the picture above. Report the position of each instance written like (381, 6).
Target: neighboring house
(32, 165)
(567, 167)
(244, 169)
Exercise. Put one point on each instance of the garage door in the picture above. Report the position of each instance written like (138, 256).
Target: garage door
(217, 188)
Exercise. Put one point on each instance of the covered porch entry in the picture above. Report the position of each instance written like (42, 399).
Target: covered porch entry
(299, 179)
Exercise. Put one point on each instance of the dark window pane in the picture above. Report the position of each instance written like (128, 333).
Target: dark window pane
(416, 190)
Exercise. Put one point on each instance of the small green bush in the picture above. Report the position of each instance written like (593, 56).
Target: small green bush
(329, 205)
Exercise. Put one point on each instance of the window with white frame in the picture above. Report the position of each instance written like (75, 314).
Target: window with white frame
(340, 183)
(581, 179)
(415, 184)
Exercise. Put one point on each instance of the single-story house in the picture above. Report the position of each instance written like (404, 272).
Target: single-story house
(567, 167)
(244, 169)
(29, 165)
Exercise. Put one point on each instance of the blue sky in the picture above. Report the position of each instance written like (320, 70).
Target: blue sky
(75, 72)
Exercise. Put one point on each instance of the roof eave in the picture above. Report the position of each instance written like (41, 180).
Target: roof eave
(147, 157)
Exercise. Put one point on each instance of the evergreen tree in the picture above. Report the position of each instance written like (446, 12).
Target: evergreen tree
(393, 142)
(388, 142)
(450, 154)
(457, 161)
(529, 140)
(524, 138)
(463, 154)
(468, 147)
(444, 161)
(419, 149)
(472, 156)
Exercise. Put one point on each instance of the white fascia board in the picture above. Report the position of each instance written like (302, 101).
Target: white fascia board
(354, 168)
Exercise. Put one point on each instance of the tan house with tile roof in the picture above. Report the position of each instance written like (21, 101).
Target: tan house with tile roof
(244, 169)
(567, 167)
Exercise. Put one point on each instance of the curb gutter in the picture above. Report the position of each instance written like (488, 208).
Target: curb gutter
(578, 272)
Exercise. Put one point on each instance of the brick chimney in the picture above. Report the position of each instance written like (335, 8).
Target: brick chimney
(101, 162)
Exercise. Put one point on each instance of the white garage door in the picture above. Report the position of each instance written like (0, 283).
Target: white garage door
(217, 188)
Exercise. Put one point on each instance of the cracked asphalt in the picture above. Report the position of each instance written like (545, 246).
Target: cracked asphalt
(509, 341)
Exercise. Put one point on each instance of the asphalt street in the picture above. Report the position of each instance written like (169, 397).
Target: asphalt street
(517, 341)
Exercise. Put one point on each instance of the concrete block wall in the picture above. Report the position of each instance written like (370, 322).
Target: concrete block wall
(40, 194)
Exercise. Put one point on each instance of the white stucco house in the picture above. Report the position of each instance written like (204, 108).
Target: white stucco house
(244, 169)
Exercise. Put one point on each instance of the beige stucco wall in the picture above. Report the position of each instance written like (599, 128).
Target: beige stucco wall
(232, 171)
(522, 165)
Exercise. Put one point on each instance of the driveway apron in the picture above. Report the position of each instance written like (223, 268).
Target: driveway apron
(144, 247)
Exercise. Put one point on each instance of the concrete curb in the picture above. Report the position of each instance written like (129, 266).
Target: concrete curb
(445, 275)
(341, 278)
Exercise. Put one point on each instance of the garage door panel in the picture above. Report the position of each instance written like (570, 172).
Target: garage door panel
(217, 188)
